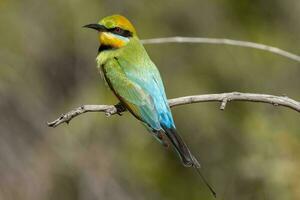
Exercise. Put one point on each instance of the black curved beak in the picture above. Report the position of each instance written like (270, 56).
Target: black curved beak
(97, 27)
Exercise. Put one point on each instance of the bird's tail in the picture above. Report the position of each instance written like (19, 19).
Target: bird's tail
(185, 155)
(187, 158)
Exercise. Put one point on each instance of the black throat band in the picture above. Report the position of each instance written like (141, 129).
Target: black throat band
(104, 48)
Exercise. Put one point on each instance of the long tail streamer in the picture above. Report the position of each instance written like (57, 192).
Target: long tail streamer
(206, 183)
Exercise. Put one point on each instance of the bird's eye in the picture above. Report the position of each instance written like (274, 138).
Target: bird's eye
(118, 30)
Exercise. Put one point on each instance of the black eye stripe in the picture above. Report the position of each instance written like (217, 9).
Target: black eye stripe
(120, 31)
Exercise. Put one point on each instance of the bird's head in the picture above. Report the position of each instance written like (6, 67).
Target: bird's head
(114, 31)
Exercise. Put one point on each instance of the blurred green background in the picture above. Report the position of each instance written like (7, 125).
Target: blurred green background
(47, 67)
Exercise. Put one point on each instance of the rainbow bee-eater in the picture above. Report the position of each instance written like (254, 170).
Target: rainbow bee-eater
(136, 82)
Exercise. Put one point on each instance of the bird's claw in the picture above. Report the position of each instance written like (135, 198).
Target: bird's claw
(120, 108)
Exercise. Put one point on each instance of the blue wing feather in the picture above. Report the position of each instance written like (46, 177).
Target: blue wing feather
(148, 78)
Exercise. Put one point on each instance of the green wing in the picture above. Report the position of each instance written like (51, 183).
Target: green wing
(137, 100)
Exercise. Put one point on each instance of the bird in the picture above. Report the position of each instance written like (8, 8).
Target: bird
(135, 80)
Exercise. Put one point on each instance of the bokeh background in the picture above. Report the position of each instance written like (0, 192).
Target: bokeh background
(47, 67)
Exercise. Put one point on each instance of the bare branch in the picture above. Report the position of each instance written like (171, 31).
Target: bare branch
(107, 109)
(224, 98)
(231, 42)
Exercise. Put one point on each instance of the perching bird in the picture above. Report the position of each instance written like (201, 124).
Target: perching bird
(136, 82)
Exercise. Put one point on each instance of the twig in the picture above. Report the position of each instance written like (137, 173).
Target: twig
(254, 45)
(224, 98)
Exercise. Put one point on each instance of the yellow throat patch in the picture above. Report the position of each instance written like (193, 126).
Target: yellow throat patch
(112, 40)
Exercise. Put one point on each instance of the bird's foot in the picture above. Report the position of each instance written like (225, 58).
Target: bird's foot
(120, 108)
